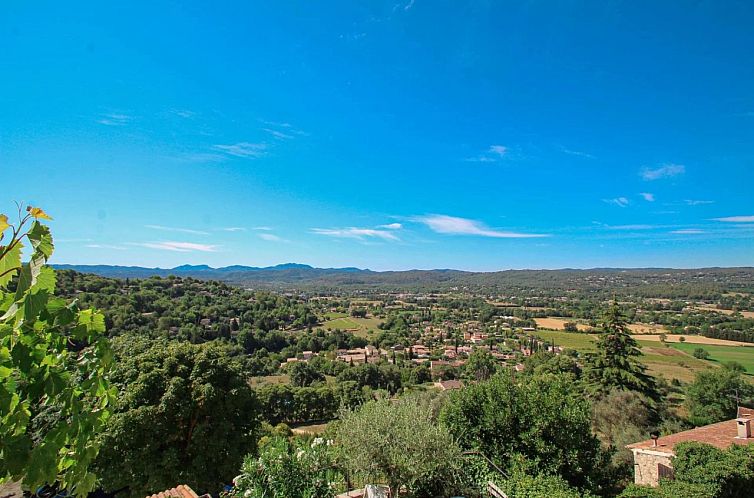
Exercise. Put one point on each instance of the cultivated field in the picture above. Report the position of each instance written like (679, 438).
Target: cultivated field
(721, 354)
(663, 361)
(559, 324)
(571, 340)
(745, 314)
(691, 339)
(671, 363)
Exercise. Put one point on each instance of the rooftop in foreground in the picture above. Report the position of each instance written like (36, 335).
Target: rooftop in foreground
(721, 435)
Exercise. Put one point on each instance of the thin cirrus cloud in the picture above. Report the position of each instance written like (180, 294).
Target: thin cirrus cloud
(630, 227)
(243, 149)
(281, 131)
(696, 202)
(577, 153)
(356, 233)
(278, 134)
(233, 229)
(647, 196)
(270, 237)
(453, 225)
(392, 226)
(178, 246)
(736, 219)
(688, 231)
(617, 201)
(114, 119)
(494, 153)
(175, 229)
(665, 171)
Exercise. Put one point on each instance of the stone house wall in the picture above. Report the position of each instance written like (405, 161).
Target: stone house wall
(650, 466)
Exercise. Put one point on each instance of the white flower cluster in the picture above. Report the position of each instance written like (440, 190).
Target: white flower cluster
(318, 441)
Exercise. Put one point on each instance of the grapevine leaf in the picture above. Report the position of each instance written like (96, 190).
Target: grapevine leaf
(46, 279)
(94, 322)
(3, 223)
(41, 239)
(38, 213)
(10, 260)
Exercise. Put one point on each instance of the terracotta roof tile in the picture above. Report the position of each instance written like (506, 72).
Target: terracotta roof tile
(720, 435)
(180, 491)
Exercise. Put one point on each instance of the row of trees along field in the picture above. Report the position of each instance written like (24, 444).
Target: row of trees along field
(148, 409)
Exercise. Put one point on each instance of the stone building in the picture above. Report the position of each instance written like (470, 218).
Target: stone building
(653, 458)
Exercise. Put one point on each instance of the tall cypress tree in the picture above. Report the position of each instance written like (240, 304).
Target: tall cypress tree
(616, 363)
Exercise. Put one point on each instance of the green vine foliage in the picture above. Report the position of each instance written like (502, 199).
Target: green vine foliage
(54, 361)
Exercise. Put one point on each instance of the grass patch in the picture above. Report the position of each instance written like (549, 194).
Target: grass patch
(332, 315)
(363, 327)
(722, 354)
(269, 380)
(570, 340)
(669, 362)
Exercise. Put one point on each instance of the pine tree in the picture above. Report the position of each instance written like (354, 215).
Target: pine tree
(616, 363)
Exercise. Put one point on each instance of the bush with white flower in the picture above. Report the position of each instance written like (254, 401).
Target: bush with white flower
(289, 468)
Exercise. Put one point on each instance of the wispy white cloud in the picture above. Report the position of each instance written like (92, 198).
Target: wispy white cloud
(270, 237)
(494, 153)
(183, 113)
(618, 201)
(693, 202)
(178, 246)
(356, 233)
(392, 226)
(452, 225)
(631, 227)
(200, 157)
(577, 153)
(282, 131)
(736, 219)
(647, 196)
(688, 231)
(174, 229)
(106, 246)
(114, 119)
(243, 149)
(262, 228)
(664, 171)
(498, 150)
(233, 229)
(409, 5)
(278, 134)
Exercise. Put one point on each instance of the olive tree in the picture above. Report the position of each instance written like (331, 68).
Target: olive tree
(398, 443)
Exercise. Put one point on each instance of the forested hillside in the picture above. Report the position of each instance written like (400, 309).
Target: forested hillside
(659, 282)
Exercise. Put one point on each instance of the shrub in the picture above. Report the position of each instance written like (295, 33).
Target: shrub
(288, 468)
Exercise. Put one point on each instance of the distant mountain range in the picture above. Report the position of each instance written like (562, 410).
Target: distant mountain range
(294, 275)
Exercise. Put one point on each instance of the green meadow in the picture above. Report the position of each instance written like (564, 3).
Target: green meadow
(721, 354)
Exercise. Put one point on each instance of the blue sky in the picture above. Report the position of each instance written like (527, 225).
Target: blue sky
(417, 134)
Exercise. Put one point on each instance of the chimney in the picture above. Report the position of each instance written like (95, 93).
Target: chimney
(744, 428)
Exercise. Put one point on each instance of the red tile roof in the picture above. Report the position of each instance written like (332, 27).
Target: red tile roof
(721, 435)
(180, 491)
